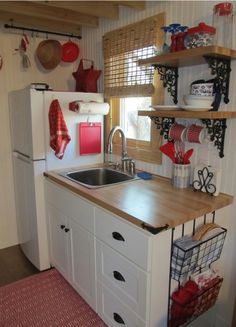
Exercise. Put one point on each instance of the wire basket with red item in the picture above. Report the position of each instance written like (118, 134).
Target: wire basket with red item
(191, 300)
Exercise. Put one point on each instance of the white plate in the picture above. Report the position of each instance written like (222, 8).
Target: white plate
(165, 107)
(197, 108)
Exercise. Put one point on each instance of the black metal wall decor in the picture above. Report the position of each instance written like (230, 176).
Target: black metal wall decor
(216, 129)
(221, 68)
(169, 76)
(164, 125)
(203, 183)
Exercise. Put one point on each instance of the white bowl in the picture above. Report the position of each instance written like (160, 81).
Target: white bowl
(198, 100)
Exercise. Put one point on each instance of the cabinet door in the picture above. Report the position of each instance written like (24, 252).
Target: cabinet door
(123, 237)
(83, 262)
(114, 312)
(126, 280)
(59, 241)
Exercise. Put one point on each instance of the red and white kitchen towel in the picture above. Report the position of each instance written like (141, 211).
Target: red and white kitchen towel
(59, 136)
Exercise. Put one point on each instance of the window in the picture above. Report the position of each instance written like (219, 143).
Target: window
(143, 138)
(130, 87)
(124, 76)
(134, 126)
(122, 48)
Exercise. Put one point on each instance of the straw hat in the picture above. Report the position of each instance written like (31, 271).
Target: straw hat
(49, 53)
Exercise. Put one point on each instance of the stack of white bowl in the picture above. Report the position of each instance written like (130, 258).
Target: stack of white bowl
(201, 96)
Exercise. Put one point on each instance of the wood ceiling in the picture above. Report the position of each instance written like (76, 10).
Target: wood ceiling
(62, 16)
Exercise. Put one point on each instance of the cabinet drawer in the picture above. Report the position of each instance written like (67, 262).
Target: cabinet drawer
(124, 278)
(72, 205)
(113, 312)
(124, 238)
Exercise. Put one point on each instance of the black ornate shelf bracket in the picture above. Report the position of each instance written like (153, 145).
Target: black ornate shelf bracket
(169, 76)
(221, 67)
(164, 125)
(154, 230)
(216, 130)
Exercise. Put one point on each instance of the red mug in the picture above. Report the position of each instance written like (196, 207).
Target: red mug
(177, 132)
(195, 134)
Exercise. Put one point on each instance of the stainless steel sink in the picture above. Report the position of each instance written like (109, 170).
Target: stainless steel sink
(98, 177)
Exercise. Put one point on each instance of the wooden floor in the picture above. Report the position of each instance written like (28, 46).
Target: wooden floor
(14, 265)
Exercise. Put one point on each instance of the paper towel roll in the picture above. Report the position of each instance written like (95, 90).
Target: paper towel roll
(91, 108)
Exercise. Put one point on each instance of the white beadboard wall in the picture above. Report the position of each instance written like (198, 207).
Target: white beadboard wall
(190, 13)
(187, 13)
(12, 76)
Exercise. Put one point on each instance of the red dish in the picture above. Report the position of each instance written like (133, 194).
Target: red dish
(70, 51)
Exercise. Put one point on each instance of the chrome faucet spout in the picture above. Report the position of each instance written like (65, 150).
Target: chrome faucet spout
(123, 140)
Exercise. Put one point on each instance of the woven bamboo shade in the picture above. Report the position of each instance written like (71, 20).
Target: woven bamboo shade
(123, 48)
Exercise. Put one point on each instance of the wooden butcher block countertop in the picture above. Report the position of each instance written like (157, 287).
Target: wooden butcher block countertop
(155, 202)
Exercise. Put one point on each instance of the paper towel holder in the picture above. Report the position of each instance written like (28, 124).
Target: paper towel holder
(89, 108)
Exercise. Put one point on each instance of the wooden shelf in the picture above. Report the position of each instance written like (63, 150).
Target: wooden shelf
(214, 121)
(189, 57)
(188, 114)
(219, 61)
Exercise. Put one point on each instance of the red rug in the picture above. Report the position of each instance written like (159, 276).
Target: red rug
(44, 300)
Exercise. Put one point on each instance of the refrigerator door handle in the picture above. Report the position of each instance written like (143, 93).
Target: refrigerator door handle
(22, 157)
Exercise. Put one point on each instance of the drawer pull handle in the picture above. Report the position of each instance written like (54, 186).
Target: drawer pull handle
(62, 226)
(118, 276)
(117, 236)
(66, 230)
(118, 318)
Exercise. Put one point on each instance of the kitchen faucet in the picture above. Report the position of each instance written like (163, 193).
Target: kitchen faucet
(123, 140)
(127, 164)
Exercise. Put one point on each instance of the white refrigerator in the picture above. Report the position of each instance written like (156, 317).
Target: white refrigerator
(32, 156)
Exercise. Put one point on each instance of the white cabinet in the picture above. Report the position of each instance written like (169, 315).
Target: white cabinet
(82, 248)
(132, 242)
(72, 248)
(59, 244)
(121, 270)
(125, 279)
(114, 312)
(132, 273)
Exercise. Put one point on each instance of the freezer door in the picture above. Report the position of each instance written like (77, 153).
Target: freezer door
(27, 123)
(30, 209)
